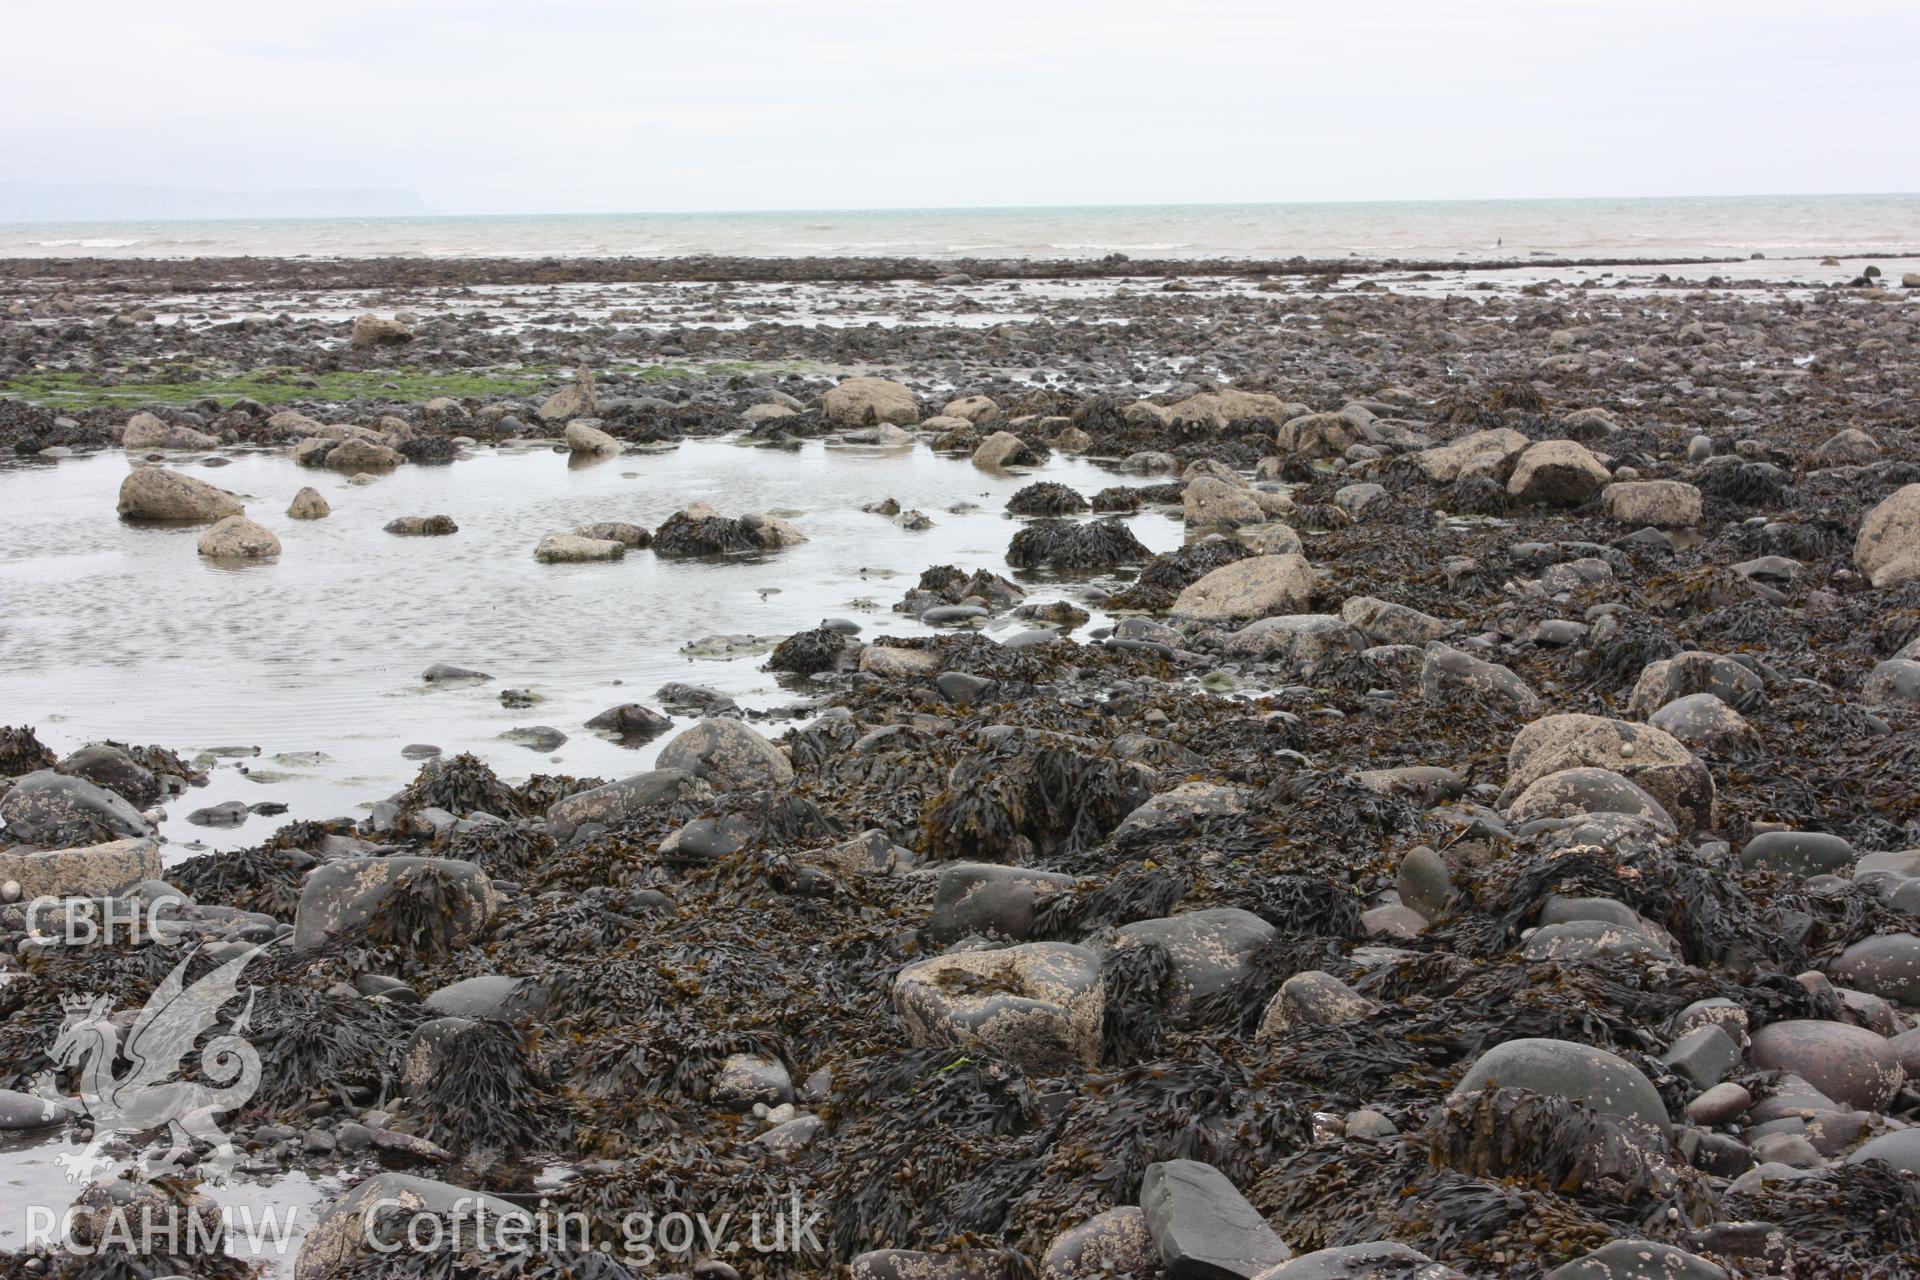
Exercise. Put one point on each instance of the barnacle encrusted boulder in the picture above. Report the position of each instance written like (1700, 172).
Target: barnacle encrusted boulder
(149, 431)
(725, 754)
(582, 436)
(397, 899)
(1654, 761)
(1038, 1004)
(1210, 502)
(93, 870)
(55, 811)
(1694, 671)
(238, 538)
(1887, 549)
(1481, 452)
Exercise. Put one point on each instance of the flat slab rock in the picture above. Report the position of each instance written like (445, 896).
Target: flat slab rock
(1204, 1227)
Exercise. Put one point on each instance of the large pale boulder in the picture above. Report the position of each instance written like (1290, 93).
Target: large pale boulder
(373, 331)
(1039, 1004)
(583, 437)
(94, 870)
(1483, 450)
(859, 402)
(1210, 502)
(1004, 449)
(571, 548)
(308, 505)
(238, 538)
(1225, 408)
(1557, 473)
(148, 431)
(157, 493)
(1664, 504)
(1888, 548)
(1257, 587)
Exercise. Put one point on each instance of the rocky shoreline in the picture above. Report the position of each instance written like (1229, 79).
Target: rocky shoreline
(1488, 847)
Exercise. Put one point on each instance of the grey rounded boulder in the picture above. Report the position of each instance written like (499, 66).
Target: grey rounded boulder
(1038, 1004)
(1563, 1069)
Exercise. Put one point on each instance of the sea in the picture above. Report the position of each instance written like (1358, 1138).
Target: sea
(1653, 229)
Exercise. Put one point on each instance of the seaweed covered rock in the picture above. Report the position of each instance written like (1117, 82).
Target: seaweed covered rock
(1038, 1004)
(1025, 790)
(429, 904)
(350, 1225)
(1211, 951)
(699, 530)
(1057, 544)
(1046, 498)
(616, 802)
(990, 899)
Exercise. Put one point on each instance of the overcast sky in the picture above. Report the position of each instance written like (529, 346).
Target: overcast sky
(485, 106)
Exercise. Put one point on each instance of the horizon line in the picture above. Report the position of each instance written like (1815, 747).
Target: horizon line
(924, 209)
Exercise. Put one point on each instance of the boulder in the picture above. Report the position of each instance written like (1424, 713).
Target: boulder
(1481, 452)
(726, 754)
(571, 548)
(238, 538)
(340, 1234)
(1383, 622)
(1900, 1149)
(106, 765)
(1210, 502)
(1584, 790)
(583, 437)
(147, 431)
(373, 331)
(1694, 671)
(157, 493)
(94, 870)
(1004, 449)
(1797, 854)
(1564, 1069)
(1639, 1260)
(1211, 951)
(1256, 587)
(1887, 549)
(975, 409)
(631, 720)
(1849, 1064)
(1704, 723)
(1311, 998)
(1380, 1260)
(1225, 408)
(858, 402)
(308, 505)
(343, 898)
(422, 526)
(1447, 673)
(1202, 1225)
(618, 801)
(1652, 760)
(1887, 965)
(989, 899)
(1038, 1004)
(630, 536)
(55, 811)
(1114, 1245)
(1557, 473)
(1298, 641)
(1664, 504)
